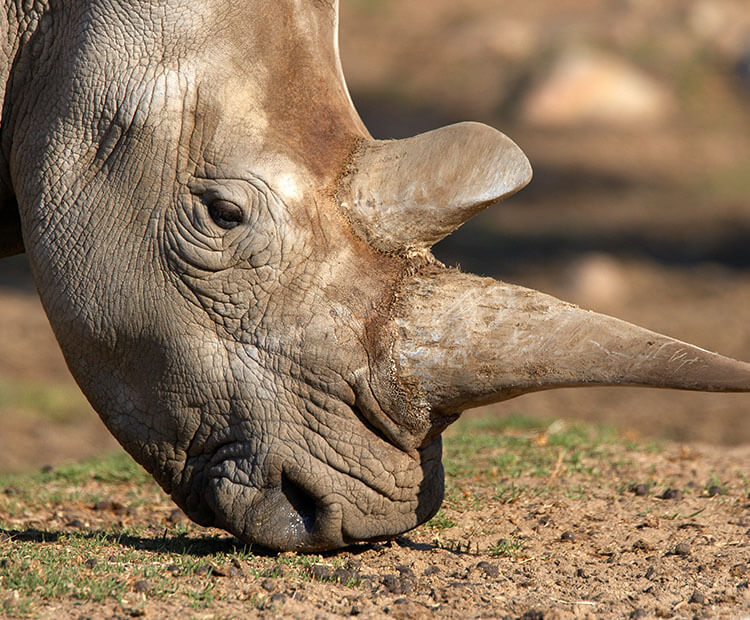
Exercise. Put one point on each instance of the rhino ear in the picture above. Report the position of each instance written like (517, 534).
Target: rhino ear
(406, 195)
(11, 241)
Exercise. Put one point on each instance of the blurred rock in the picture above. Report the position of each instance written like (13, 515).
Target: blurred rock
(507, 39)
(586, 86)
(597, 281)
(724, 26)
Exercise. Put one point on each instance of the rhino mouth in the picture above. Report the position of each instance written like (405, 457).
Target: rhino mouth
(315, 506)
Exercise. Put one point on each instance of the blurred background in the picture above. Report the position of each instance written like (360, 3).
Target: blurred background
(636, 117)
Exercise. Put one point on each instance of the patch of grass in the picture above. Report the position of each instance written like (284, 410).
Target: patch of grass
(509, 448)
(101, 566)
(509, 493)
(441, 522)
(508, 547)
(67, 483)
(714, 486)
(138, 555)
(57, 403)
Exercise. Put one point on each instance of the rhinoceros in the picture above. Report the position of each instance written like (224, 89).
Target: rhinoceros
(240, 276)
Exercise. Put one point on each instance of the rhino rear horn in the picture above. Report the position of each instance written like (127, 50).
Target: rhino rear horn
(406, 195)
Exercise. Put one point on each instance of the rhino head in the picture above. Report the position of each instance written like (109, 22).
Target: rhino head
(240, 276)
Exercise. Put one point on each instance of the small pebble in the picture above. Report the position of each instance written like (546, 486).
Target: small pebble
(47, 469)
(682, 548)
(581, 573)
(203, 570)
(636, 614)
(405, 571)
(341, 575)
(715, 490)
(110, 505)
(320, 572)
(738, 570)
(77, 524)
(489, 570)
(671, 494)
(141, 586)
(567, 536)
(176, 516)
(278, 598)
(532, 614)
(236, 572)
(355, 610)
(640, 489)
(173, 569)
(698, 598)
(392, 584)
(268, 585)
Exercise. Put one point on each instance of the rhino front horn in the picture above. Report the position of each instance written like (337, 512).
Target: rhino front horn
(406, 195)
(461, 341)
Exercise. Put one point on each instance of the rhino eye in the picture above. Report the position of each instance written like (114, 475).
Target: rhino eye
(225, 214)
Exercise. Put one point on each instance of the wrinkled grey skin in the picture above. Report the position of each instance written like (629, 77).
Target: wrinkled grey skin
(188, 178)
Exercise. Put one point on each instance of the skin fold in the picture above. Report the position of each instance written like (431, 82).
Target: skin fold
(240, 277)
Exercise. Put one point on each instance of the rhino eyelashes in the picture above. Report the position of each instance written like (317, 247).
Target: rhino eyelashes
(225, 214)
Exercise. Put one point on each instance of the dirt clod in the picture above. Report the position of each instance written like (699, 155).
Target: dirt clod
(636, 614)
(640, 489)
(698, 598)
(141, 586)
(489, 570)
(738, 570)
(320, 572)
(344, 575)
(568, 536)
(110, 505)
(682, 549)
(177, 516)
(671, 494)
(640, 545)
(268, 585)
(392, 584)
(405, 571)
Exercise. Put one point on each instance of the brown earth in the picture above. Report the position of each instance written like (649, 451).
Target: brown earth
(648, 223)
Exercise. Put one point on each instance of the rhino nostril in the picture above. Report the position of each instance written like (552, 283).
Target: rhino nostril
(303, 504)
